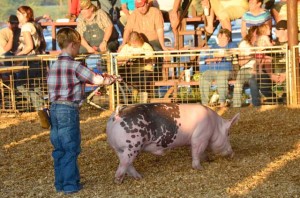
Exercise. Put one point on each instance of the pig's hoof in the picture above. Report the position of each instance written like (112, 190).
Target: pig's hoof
(197, 167)
(118, 180)
(137, 177)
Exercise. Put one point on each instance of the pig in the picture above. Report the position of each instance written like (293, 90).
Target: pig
(155, 127)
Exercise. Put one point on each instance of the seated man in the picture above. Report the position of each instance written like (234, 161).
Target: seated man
(217, 69)
(149, 22)
(9, 41)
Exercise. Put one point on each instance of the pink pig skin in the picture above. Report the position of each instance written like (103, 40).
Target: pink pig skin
(156, 127)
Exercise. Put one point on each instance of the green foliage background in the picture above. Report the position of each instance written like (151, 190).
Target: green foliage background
(55, 8)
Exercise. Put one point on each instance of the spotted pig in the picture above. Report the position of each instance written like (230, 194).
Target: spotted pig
(157, 127)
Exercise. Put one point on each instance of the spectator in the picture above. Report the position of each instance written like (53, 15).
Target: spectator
(281, 14)
(136, 46)
(273, 72)
(263, 36)
(127, 7)
(30, 41)
(9, 36)
(141, 70)
(96, 29)
(9, 41)
(30, 44)
(74, 9)
(147, 21)
(109, 6)
(275, 10)
(268, 4)
(225, 11)
(281, 33)
(65, 79)
(247, 63)
(256, 16)
(171, 12)
(217, 68)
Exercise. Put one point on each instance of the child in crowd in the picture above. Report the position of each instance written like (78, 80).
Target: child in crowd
(137, 46)
(31, 42)
(141, 70)
(263, 36)
(217, 68)
(65, 79)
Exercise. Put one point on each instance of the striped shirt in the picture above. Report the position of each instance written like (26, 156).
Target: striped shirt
(252, 20)
(66, 78)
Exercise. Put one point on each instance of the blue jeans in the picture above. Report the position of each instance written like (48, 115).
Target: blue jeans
(65, 138)
(254, 90)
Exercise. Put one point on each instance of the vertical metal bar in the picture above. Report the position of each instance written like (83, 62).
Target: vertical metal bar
(292, 23)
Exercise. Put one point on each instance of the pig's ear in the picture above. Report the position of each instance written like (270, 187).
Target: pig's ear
(234, 119)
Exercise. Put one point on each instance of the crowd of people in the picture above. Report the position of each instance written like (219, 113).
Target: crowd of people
(95, 24)
(96, 20)
(142, 25)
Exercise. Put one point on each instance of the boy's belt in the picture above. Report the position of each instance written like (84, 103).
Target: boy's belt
(65, 102)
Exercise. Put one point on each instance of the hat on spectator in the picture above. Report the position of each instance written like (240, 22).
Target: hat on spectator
(281, 25)
(140, 3)
(85, 4)
(13, 19)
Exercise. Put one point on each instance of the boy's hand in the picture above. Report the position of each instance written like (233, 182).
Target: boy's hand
(110, 79)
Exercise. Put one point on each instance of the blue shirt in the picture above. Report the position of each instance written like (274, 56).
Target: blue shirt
(258, 20)
(224, 65)
(130, 4)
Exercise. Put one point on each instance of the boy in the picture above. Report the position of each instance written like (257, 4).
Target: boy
(217, 68)
(65, 79)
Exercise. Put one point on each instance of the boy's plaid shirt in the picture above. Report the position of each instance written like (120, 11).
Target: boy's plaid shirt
(66, 78)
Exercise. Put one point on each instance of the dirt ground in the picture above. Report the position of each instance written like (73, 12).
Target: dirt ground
(266, 142)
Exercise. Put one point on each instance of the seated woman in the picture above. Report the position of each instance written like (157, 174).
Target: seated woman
(31, 43)
(96, 29)
(256, 16)
(140, 70)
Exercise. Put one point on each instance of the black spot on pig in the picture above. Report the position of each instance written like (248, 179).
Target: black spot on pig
(155, 122)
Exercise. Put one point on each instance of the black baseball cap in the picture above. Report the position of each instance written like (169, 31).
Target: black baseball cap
(281, 25)
(13, 19)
